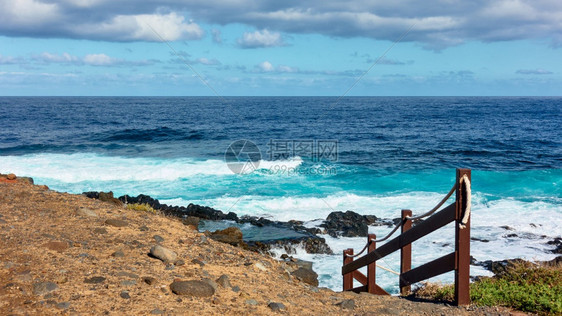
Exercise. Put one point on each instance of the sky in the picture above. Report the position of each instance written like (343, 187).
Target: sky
(280, 48)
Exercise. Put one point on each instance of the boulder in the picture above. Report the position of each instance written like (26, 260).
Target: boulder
(230, 235)
(502, 266)
(557, 243)
(306, 275)
(292, 224)
(26, 180)
(316, 245)
(91, 194)
(191, 221)
(205, 212)
(86, 212)
(108, 197)
(311, 243)
(348, 224)
(304, 264)
(212, 283)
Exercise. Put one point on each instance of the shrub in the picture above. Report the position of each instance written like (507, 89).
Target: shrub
(529, 288)
(142, 208)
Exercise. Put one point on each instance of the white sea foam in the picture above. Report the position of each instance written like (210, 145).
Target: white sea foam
(91, 167)
(74, 168)
(280, 165)
(310, 207)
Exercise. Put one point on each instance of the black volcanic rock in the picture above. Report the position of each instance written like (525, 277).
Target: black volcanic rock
(311, 243)
(348, 224)
(92, 194)
(141, 199)
(557, 242)
(205, 212)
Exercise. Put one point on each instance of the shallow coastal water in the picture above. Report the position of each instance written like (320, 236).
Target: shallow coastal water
(390, 154)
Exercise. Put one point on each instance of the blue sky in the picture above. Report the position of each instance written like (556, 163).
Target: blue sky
(270, 48)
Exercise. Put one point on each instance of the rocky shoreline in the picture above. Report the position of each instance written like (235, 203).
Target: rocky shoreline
(337, 224)
(67, 254)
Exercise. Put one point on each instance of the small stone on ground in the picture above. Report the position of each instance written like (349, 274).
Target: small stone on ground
(224, 281)
(192, 288)
(163, 254)
(347, 304)
(116, 222)
(94, 280)
(59, 246)
(276, 306)
(44, 288)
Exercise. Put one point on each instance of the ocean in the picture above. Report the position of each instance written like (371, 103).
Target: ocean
(312, 156)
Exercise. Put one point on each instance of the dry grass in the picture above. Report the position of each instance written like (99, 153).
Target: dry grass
(142, 208)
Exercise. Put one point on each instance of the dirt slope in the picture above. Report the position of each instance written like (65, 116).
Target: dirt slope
(60, 255)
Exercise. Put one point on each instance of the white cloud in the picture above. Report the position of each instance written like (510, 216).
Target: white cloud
(84, 3)
(266, 66)
(283, 68)
(92, 20)
(182, 58)
(100, 60)
(145, 27)
(89, 59)
(441, 24)
(54, 58)
(262, 38)
(209, 62)
(534, 72)
(27, 14)
(9, 60)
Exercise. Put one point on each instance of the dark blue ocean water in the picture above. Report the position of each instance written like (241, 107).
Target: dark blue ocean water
(383, 133)
(378, 155)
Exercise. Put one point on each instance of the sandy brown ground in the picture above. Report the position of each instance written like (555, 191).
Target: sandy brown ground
(33, 219)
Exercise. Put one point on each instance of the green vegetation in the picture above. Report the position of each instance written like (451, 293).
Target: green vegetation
(142, 208)
(526, 287)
